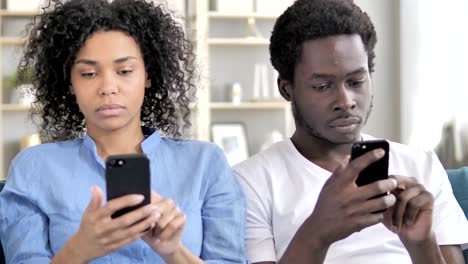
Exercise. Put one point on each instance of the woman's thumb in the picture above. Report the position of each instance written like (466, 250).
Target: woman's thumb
(96, 198)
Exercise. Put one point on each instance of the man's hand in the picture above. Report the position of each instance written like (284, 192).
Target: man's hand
(100, 235)
(165, 236)
(342, 208)
(411, 217)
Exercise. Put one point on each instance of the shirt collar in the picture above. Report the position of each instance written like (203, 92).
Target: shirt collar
(149, 145)
(152, 140)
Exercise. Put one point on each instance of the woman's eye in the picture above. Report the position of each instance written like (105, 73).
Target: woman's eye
(125, 72)
(88, 74)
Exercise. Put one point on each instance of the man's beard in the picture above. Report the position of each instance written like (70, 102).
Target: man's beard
(301, 121)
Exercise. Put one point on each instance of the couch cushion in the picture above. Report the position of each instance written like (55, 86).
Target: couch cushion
(459, 181)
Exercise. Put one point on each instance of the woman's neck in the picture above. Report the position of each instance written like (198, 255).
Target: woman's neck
(122, 141)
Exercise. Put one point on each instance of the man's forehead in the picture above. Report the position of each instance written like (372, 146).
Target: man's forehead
(343, 52)
(334, 46)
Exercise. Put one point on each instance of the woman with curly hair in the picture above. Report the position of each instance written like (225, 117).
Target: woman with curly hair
(110, 77)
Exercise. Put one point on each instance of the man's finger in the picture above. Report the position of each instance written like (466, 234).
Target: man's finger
(419, 203)
(362, 162)
(402, 205)
(404, 182)
(374, 205)
(379, 187)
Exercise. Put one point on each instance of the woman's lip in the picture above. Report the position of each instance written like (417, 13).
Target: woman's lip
(109, 107)
(110, 110)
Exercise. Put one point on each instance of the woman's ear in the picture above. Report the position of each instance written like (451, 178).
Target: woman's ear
(70, 88)
(285, 87)
(148, 83)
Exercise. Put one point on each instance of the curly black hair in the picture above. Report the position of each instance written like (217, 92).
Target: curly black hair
(56, 36)
(313, 19)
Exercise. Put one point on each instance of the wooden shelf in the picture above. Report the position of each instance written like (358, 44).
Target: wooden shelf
(239, 41)
(12, 41)
(14, 107)
(12, 13)
(221, 15)
(279, 105)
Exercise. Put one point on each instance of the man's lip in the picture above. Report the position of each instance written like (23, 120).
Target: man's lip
(108, 107)
(345, 121)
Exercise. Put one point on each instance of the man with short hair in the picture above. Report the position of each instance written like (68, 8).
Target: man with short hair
(303, 203)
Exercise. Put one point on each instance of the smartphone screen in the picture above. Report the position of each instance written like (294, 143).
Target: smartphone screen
(375, 171)
(128, 174)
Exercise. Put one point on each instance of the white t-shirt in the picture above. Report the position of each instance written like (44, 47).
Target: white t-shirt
(282, 187)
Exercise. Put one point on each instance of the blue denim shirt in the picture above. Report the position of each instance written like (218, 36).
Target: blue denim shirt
(49, 186)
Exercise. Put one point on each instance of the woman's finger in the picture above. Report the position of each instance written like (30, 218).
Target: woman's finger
(174, 228)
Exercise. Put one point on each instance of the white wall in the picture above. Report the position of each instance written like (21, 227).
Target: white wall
(385, 118)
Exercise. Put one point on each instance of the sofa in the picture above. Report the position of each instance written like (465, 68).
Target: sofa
(458, 179)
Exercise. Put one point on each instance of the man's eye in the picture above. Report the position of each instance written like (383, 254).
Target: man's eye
(356, 84)
(320, 87)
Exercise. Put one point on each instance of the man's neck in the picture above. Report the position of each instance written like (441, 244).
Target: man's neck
(323, 153)
(123, 141)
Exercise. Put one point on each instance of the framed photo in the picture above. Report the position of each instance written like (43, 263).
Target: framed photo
(231, 138)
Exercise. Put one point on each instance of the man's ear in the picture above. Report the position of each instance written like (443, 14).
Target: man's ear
(285, 88)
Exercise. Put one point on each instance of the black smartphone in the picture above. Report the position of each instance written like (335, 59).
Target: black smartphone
(375, 171)
(128, 174)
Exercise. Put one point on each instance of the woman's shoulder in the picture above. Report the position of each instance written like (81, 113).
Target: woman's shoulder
(190, 144)
(194, 150)
(30, 164)
(46, 150)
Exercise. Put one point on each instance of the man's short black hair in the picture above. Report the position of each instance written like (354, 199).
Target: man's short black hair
(314, 19)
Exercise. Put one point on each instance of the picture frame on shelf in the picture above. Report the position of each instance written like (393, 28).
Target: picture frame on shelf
(232, 139)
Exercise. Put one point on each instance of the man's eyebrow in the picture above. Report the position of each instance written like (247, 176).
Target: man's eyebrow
(93, 62)
(331, 76)
(322, 76)
(360, 70)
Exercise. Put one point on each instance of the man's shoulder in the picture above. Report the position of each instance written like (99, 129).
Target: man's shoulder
(264, 160)
(403, 150)
(410, 154)
(406, 160)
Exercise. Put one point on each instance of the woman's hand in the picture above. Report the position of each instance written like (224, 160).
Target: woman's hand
(100, 235)
(165, 236)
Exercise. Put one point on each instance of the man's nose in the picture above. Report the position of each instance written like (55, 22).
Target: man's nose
(344, 99)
